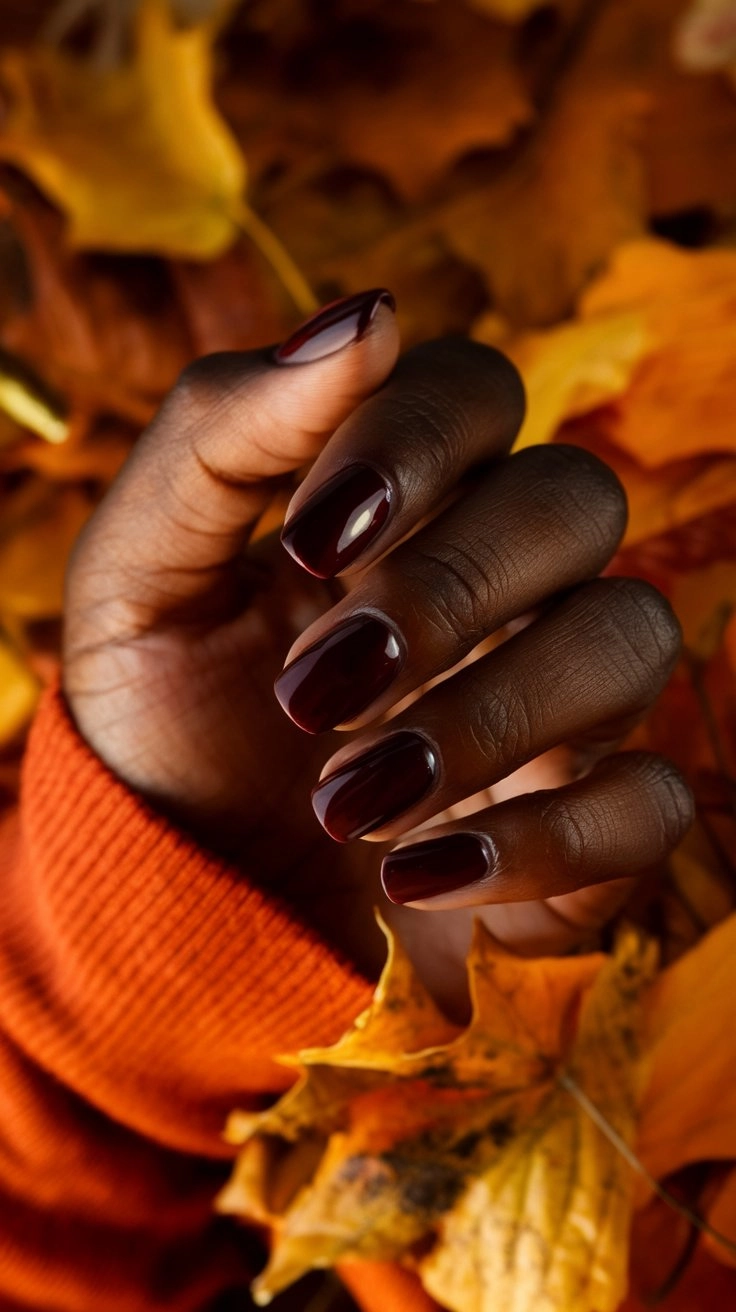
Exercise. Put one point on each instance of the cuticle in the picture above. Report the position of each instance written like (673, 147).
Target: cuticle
(349, 464)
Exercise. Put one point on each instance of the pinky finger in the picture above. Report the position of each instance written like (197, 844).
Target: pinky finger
(626, 815)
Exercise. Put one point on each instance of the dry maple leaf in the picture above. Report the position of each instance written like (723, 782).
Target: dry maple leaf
(466, 1152)
(137, 156)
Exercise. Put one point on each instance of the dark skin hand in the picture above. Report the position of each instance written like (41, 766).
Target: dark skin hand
(414, 543)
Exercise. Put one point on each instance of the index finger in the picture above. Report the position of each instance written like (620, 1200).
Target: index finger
(448, 405)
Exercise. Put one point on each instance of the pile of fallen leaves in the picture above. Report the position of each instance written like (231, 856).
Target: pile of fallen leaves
(559, 179)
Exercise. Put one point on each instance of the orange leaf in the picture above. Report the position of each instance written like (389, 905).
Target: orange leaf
(689, 1107)
(680, 400)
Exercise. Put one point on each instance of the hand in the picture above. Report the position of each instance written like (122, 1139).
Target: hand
(177, 626)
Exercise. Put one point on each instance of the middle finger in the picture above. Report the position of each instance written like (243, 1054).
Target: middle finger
(540, 522)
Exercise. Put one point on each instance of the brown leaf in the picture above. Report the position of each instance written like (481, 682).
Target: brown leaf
(366, 94)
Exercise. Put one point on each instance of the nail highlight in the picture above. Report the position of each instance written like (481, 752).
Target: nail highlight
(440, 865)
(338, 521)
(339, 676)
(377, 786)
(333, 327)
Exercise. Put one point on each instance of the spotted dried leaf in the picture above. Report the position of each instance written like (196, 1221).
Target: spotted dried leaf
(384, 1146)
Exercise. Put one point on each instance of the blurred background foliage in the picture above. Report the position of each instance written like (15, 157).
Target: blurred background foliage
(558, 179)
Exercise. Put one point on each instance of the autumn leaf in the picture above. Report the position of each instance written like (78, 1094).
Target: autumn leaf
(509, 11)
(689, 1106)
(574, 368)
(385, 114)
(679, 402)
(137, 156)
(575, 191)
(654, 338)
(18, 692)
(39, 527)
(476, 1144)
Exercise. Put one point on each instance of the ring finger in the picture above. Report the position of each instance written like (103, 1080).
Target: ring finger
(599, 656)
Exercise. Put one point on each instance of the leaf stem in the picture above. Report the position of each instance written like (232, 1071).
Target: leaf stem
(278, 257)
(571, 1085)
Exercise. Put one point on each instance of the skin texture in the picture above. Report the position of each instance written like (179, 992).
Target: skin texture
(176, 629)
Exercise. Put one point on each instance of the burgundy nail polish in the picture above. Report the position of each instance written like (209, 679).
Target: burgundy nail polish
(438, 866)
(339, 521)
(334, 326)
(380, 784)
(337, 677)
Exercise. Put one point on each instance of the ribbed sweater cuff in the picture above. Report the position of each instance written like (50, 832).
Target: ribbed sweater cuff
(142, 971)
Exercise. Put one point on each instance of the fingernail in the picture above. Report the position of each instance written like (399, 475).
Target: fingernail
(376, 787)
(334, 326)
(339, 521)
(337, 677)
(440, 865)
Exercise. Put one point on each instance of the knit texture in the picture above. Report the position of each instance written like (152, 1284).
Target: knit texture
(146, 988)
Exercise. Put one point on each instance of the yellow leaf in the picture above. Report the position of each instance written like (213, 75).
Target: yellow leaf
(439, 1144)
(401, 1018)
(137, 156)
(572, 369)
(545, 1226)
(18, 693)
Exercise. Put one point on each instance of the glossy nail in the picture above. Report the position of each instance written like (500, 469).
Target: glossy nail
(337, 677)
(440, 865)
(375, 787)
(334, 326)
(339, 521)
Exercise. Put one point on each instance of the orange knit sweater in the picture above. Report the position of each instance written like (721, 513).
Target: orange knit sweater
(145, 987)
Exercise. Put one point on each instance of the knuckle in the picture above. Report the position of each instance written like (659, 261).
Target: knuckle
(473, 372)
(499, 726)
(195, 388)
(208, 385)
(456, 589)
(503, 377)
(640, 632)
(570, 838)
(568, 488)
(649, 622)
(669, 796)
(441, 433)
(585, 491)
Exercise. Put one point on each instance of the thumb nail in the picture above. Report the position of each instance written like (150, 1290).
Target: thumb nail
(333, 327)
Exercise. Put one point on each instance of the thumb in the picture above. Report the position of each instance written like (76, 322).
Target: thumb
(208, 465)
